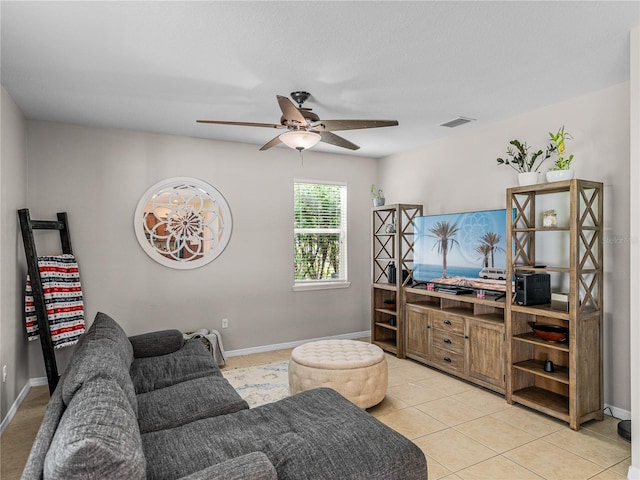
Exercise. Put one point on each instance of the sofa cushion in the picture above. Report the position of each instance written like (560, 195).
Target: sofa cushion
(186, 402)
(97, 436)
(105, 352)
(153, 344)
(193, 360)
(254, 466)
(107, 330)
(316, 434)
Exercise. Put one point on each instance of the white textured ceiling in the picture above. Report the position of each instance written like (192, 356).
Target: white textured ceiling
(159, 66)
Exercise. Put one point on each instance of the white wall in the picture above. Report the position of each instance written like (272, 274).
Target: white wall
(460, 173)
(13, 194)
(634, 180)
(98, 175)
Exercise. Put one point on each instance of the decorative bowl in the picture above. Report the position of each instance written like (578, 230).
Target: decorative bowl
(550, 333)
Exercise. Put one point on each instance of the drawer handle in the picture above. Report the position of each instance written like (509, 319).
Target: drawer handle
(447, 322)
(447, 359)
(447, 340)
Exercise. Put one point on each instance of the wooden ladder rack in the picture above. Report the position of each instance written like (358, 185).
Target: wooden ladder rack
(28, 226)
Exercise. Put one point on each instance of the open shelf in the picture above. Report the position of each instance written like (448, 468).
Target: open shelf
(388, 346)
(561, 374)
(387, 325)
(535, 340)
(385, 286)
(545, 401)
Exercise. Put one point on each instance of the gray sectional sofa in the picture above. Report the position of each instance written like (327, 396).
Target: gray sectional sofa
(153, 406)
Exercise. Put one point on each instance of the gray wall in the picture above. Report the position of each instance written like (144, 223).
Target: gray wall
(13, 193)
(98, 176)
(460, 174)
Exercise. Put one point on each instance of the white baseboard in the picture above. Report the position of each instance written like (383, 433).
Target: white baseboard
(634, 473)
(618, 412)
(38, 381)
(33, 382)
(283, 346)
(14, 408)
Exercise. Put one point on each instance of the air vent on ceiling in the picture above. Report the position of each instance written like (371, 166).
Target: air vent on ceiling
(457, 122)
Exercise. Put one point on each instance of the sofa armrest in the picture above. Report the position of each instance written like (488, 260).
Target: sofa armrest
(157, 343)
(254, 465)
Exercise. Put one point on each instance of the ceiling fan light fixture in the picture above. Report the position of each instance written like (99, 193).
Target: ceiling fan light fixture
(300, 139)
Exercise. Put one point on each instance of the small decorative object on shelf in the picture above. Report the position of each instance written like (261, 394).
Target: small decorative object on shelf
(550, 333)
(390, 228)
(392, 272)
(550, 219)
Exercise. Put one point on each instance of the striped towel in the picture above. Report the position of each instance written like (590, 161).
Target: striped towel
(63, 299)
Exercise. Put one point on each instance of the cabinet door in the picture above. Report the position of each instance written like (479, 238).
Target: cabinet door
(485, 352)
(417, 328)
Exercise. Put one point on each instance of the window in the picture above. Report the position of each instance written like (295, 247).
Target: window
(320, 235)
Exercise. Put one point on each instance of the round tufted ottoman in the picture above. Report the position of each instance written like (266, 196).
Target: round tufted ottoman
(357, 370)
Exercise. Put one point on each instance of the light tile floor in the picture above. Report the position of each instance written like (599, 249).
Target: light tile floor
(466, 432)
(470, 433)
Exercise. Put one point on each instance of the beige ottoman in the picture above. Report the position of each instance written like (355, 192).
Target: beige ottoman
(356, 370)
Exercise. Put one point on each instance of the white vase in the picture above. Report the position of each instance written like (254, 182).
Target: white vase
(378, 201)
(559, 175)
(528, 178)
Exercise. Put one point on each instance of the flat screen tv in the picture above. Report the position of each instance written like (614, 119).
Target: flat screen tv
(462, 249)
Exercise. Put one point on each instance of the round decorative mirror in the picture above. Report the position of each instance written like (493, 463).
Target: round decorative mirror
(183, 222)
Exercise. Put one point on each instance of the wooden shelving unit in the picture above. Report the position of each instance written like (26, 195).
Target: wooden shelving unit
(573, 250)
(390, 246)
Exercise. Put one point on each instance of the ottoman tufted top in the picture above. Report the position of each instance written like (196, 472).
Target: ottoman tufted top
(337, 354)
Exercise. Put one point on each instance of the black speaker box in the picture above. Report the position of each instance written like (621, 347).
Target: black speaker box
(533, 289)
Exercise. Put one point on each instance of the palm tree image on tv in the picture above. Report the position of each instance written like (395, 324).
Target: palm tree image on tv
(485, 251)
(465, 249)
(444, 233)
(491, 241)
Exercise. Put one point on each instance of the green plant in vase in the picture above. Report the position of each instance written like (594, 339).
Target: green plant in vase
(378, 196)
(525, 163)
(561, 169)
(563, 162)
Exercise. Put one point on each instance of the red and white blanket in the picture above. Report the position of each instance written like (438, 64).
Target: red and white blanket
(63, 299)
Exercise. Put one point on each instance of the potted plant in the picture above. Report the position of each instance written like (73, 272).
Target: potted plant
(527, 165)
(561, 169)
(378, 196)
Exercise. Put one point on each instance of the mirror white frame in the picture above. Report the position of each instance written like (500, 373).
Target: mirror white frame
(182, 222)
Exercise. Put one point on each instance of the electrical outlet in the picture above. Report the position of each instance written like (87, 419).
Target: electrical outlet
(4, 373)
(225, 323)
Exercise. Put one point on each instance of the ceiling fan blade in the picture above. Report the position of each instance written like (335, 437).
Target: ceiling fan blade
(291, 112)
(271, 143)
(336, 125)
(334, 139)
(243, 124)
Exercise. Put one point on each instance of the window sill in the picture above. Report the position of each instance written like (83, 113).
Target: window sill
(303, 287)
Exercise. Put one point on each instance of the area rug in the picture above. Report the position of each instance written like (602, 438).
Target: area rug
(261, 384)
